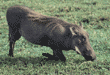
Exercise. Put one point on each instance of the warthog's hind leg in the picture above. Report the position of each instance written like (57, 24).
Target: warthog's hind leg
(11, 48)
(13, 36)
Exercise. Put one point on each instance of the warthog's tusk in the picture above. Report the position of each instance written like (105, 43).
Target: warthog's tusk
(77, 50)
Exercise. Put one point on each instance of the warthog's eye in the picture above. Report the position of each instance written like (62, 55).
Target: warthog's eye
(83, 39)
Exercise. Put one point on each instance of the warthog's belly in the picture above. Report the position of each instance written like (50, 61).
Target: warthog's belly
(32, 31)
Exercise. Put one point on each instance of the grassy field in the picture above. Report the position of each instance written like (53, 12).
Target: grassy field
(28, 60)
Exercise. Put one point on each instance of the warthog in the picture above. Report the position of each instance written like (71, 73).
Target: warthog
(47, 31)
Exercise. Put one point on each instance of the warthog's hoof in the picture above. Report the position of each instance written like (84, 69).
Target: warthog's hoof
(11, 55)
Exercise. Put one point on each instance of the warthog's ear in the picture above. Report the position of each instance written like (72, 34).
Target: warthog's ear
(81, 25)
(72, 31)
(69, 32)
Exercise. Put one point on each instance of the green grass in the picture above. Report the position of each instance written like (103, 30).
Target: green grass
(28, 60)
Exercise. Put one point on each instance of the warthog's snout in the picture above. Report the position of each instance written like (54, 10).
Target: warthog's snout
(89, 57)
(92, 58)
(87, 54)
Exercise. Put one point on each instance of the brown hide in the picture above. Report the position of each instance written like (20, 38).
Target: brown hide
(46, 31)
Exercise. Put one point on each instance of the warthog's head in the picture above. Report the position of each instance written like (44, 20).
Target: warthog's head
(80, 41)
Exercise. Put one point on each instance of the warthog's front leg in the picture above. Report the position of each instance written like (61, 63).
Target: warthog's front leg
(50, 57)
(57, 54)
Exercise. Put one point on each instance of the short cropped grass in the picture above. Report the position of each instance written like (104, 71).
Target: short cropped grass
(28, 59)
